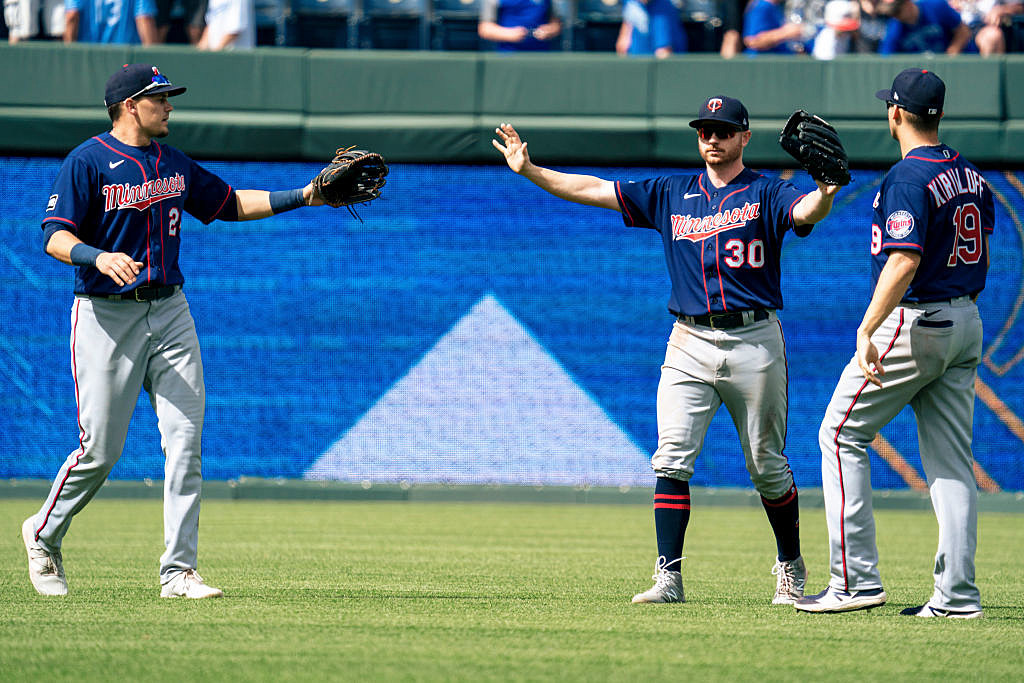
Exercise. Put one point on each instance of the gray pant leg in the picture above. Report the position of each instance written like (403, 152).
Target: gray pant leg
(177, 392)
(108, 342)
(754, 388)
(686, 402)
(945, 413)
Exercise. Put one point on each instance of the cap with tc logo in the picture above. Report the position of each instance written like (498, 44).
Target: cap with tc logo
(722, 109)
(137, 80)
(919, 91)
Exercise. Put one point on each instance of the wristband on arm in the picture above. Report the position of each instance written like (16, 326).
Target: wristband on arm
(84, 255)
(286, 200)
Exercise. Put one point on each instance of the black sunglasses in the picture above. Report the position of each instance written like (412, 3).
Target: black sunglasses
(723, 132)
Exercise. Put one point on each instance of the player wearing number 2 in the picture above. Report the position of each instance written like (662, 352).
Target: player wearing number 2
(722, 231)
(115, 211)
(919, 344)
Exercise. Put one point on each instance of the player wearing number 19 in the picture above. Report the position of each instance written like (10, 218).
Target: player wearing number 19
(115, 212)
(722, 233)
(919, 344)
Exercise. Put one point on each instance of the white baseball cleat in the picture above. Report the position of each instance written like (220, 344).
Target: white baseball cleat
(188, 584)
(790, 579)
(929, 611)
(45, 569)
(834, 600)
(668, 585)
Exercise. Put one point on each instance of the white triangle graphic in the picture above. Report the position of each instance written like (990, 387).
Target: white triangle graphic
(487, 404)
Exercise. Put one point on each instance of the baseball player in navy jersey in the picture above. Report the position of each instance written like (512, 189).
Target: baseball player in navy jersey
(918, 344)
(116, 212)
(722, 231)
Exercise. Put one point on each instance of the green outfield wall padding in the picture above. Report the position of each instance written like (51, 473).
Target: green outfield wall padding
(370, 82)
(280, 103)
(1013, 86)
(265, 79)
(47, 74)
(569, 85)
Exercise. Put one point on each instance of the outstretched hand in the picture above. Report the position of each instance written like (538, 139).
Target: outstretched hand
(514, 148)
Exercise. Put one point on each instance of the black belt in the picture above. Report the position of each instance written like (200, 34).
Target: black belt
(140, 294)
(726, 321)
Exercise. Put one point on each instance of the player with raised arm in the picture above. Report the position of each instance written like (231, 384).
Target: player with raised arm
(116, 212)
(722, 231)
(919, 344)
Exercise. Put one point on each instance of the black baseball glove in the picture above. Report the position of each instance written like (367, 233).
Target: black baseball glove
(814, 143)
(352, 177)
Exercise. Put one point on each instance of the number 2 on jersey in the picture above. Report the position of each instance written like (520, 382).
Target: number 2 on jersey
(967, 242)
(174, 216)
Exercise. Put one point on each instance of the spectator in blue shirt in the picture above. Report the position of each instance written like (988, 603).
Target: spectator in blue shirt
(650, 27)
(923, 26)
(766, 31)
(527, 25)
(129, 23)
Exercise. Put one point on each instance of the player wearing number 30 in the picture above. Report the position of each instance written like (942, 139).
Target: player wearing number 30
(115, 212)
(919, 344)
(722, 232)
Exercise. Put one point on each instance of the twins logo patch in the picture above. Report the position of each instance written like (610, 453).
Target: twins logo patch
(52, 204)
(899, 224)
(714, 104)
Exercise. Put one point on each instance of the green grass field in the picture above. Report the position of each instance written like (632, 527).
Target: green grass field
(444, 591)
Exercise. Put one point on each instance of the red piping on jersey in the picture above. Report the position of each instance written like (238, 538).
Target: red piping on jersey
(661, 501)
(221, 207)
(622, 203)
(63, 220)
(791, 206)
(901, 245)
(163, 268)
(839, 462)
(700, 182)
(149, 229)
(718, 268)
(729, 195)
(81, 432)
(936, 161)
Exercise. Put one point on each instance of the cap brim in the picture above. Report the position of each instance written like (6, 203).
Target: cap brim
(169, 90)
(696, 123)
(884, 95)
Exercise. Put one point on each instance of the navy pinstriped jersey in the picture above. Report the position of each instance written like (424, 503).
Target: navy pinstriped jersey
(722, 245)
(936, 203)
(127, 199)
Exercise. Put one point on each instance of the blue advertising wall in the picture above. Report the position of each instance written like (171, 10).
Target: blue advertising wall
(471, 329)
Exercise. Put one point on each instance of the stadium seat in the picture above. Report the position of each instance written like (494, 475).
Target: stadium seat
(270, 22)
(393, 25)
(322, 23)
(596, 26)
(453, 25)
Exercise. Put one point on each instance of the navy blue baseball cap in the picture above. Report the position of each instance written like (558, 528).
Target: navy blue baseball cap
(136, 80)
(722, 109)
(919, 91)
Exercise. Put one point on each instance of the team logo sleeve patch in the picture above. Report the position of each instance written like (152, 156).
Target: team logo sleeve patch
(899, 224)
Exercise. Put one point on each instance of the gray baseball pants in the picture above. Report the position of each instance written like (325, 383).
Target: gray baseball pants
(117, 349)
(930, 353)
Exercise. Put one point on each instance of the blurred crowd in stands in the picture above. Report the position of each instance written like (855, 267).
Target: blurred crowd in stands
(821, 29)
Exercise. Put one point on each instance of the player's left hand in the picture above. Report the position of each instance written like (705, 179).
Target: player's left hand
(868, 360)
(514, 148)
(826, 189)
(311, 197)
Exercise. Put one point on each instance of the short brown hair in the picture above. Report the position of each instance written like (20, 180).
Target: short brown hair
(925, 123)
(114, 111)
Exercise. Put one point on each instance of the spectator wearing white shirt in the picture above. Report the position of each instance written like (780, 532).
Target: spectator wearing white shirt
(230, 25)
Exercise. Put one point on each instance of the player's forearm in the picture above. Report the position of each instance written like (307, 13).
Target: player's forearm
(255, 204)
(60, 245)
(582, 189)
(813, 208)
(893, 281)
